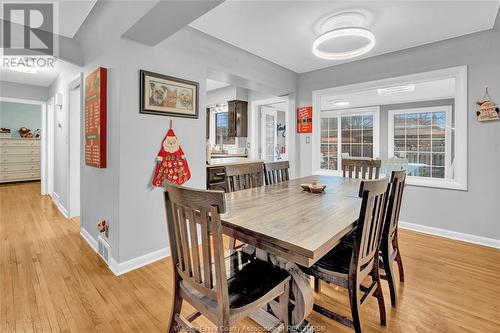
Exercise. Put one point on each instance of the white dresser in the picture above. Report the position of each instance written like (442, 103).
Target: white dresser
(19, 159)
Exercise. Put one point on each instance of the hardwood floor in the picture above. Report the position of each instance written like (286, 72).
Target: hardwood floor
(52, 281)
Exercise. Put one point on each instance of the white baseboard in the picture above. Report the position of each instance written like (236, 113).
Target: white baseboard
(57, 202)
(119, 268)
(89, 239)
(490, 242)
(129, 265)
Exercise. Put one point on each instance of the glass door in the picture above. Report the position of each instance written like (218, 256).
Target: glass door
(268, 132)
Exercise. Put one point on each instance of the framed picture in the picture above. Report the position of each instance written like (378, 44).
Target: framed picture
(168, 96)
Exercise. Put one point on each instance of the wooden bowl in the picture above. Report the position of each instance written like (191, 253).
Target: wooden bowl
(305, 187)
(317, 188)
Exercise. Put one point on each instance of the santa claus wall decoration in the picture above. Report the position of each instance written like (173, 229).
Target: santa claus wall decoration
(171, 163)
(487, 109)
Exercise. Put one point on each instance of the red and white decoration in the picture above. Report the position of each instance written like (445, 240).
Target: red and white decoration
(171, 163)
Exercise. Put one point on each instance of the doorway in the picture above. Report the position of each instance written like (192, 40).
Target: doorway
(273, 145)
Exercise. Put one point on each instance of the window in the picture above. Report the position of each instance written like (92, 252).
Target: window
(221, 131)
(347, 133)
(422, 136)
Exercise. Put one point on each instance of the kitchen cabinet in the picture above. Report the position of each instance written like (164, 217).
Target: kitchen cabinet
(237, 118)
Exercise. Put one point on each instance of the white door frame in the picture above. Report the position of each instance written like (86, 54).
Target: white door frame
(48, 137)
(290, 140)
(43, 140)
(74, 149)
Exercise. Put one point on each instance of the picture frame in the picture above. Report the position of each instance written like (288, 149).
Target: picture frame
(168, 96)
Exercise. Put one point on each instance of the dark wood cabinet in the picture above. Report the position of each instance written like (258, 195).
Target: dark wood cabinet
(237, 118)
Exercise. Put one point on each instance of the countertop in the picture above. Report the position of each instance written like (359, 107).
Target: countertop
(220, 162)
(216, 155)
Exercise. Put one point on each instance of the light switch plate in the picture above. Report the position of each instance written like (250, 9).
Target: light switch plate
(308, 139)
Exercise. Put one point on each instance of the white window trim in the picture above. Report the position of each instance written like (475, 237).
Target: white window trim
(424, 181)
(459, 73)
(367, 111)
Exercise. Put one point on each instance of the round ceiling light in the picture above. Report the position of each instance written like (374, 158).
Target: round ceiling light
(344, 32)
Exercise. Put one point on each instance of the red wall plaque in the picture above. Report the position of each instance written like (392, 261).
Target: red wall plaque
(95, 118)
(304, 119)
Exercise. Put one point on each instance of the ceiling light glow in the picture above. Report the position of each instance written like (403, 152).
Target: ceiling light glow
(396, 90)
(344, 32)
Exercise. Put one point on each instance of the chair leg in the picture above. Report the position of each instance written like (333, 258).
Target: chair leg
(389, 273)
(354, 300)
(379, 294)
(400, 266)
(284, 300)
(395, 245)
(317, 285)
(176, 310)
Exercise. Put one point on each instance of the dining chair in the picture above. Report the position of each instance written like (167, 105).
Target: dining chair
(244, 176)
(241, 177)
(349, 265)
(224, 288)
(368, 168)
(276, 172)
(389, 247)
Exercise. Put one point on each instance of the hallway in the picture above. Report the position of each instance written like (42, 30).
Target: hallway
(52, 281)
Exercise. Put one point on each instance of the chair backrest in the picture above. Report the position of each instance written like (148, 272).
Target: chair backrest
(369, 169)
(370, 223)
(193, 216)
(243, 176)
(398, 179)
(276, 172)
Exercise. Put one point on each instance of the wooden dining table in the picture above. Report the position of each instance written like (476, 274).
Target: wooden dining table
(292, 227)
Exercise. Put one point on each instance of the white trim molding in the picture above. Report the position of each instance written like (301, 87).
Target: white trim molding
(119, 268)
(89, 239)
(484, 241)
(458, 73)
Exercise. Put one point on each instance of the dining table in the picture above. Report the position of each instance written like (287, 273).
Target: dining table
(292, 227)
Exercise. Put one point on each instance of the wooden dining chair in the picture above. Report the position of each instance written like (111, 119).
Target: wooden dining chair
(349, 265)
(368, 169)
(244, 176)
(241, 177)
(223, 288)
(389, 247)
(276, 172)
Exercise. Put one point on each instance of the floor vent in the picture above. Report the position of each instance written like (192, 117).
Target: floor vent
(104, 249)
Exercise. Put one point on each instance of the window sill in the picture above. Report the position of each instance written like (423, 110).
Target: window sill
(412, 181)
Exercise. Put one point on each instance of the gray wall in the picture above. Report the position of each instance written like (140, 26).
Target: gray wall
(23, 91)
(121, 193)
(474, 211)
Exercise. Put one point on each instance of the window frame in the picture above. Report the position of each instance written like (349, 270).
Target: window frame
(365, 111)
(417, 180)
(461, 112)
(229, 145)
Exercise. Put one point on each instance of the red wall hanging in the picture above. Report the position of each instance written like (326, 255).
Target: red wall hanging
(304, 119)
(171, 163)
(95, 118)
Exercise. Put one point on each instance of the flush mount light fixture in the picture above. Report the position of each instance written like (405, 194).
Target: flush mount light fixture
(344, 32)
(396, 90)
(342, 103)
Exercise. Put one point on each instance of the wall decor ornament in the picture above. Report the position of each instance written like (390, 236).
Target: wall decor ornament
(168, 96)
(171, 163)
(488, 110)
(95, 118)
(304, 119)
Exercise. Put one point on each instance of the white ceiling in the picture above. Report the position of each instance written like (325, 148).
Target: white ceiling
(212, 84)
(424, 91)
(283, 31)
(72, 14)
(43, 77)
